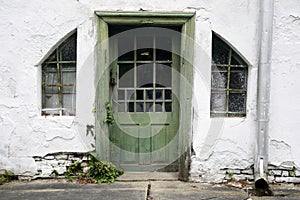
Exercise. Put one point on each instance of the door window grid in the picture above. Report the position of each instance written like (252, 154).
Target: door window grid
(59, 80)
(144, 98)
(228, 82)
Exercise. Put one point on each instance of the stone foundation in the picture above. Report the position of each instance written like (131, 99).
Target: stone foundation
(276, 174)
(57, 162)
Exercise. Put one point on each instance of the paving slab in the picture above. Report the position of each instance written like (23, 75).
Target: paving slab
(49, 190)
(163, 190)
(136, 190)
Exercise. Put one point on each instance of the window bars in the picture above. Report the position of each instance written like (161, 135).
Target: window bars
(59, 80)
(228, 81)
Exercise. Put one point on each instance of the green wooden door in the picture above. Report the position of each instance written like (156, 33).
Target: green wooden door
(144, 92)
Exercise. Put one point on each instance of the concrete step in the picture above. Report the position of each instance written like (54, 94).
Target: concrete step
(148, 176)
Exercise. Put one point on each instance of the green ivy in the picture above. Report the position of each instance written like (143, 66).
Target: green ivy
(230, 175)
(97, 171)
(109, 119)
(6, 177)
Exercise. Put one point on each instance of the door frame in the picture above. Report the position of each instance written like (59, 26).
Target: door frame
(102, 75)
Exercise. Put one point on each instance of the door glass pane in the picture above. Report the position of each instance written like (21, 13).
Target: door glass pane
(126, 75)
(130, 95)
(130, 107)
(139, 107)
(168, 106)
(163, 48)
(158, 107)
(121, 95)
(149, 94)
(168, 94)
(164, 75)
(140, 94)
(158, 94)
(144, 48)
(149, 107)
(125, 48)
(145, 75)
(121, 107)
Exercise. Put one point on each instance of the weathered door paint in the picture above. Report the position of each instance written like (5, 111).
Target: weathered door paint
(105, 71)
(145, 98)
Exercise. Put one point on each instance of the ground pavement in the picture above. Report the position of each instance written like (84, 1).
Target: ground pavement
(125, 189)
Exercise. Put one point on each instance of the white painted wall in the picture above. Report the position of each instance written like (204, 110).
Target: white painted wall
(29, 30)
(285, 96)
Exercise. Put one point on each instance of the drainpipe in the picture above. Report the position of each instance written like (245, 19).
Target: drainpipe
(263, 95)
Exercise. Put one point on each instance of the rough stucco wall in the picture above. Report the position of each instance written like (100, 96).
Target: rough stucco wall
(223, 143)
(31, 29)
(285, 96)
(37, 26)
(28, 31)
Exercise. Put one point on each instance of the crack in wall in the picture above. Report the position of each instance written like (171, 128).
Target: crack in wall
(295, 18)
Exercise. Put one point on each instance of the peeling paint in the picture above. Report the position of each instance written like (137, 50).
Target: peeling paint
(219, 144)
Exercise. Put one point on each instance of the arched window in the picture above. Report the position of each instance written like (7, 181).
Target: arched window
(228, 81)
(59, 80)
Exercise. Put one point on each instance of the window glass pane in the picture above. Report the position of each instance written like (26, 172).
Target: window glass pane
(237, 102)
(69, 102)
(164, 75)
(68, 50)
(220, 52)
(57, 76)
(51, 101)
(51, 89)
(52, 57)
(68, 77)
(236, 59)
(125, 48)
(126, 75)
(219, 68)
(228, 97)
(50, 78)
(145, 75)
(218, 101)
(219, 80)
(238, 80)
(144, 48)
(163, 48)
(68, 89)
